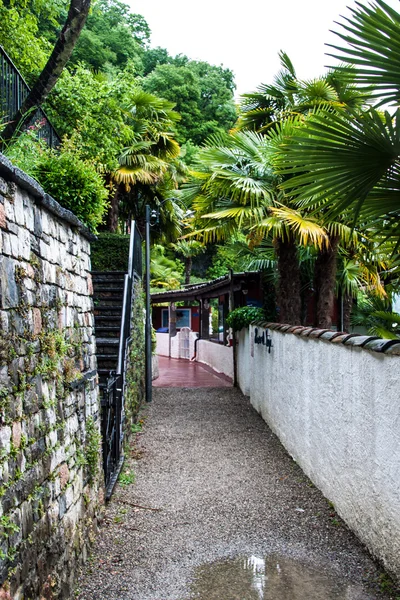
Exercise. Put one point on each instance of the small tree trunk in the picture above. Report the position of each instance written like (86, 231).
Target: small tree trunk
(188, 268)
(347, 307)
(289, 287)
(324, 283)
(77, 14)
(113, 211)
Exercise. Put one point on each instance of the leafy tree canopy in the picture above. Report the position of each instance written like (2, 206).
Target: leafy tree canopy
(19, 35)
(113, 37)
(203, 95)
(77, 108)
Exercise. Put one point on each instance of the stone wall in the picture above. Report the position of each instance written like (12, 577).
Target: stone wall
(333, 401)
(50, 474)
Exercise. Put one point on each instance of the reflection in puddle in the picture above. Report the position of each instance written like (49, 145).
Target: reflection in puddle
(272, 578)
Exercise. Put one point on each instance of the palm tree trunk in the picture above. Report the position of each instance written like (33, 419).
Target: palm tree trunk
(289, 287)
(188, 268)
(324, 283)
(347, 306)
(77, 14)
(113, 211)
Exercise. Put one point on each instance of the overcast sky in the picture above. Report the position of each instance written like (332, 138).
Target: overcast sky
(247, 36)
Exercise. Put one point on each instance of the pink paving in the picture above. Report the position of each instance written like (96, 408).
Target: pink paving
(179, 372)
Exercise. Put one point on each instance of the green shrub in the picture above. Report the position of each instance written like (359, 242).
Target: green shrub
(110, 252)
(243, 316)
(75, 184)
(72, 181)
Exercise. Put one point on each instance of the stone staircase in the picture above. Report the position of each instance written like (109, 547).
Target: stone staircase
(108, 290)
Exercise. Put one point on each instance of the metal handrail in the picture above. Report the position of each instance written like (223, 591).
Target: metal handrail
(127, 297)
(13, 92)
(113, 399)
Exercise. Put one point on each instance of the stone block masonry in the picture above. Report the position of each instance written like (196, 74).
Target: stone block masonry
(50, 474)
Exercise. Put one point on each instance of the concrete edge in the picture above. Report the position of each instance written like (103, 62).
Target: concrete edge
(366, 342)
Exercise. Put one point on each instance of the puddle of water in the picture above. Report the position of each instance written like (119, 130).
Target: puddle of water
(271, 578)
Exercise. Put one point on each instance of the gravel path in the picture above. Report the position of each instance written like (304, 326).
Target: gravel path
(225, 488)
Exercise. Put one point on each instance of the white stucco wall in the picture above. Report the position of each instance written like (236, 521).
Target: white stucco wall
(217, 356)
(336, 410)
(243, 360)
(162, 347)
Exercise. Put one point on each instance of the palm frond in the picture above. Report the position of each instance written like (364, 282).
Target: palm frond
(372, 37)
(341, 158)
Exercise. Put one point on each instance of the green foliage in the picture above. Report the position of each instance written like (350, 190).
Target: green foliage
(92, 447)
(203, 95)
(72, 181)
(77, 107)
(243, 316)
(75, 184)
(110, 252)
(165, 272)
(113, 36)
(126, 478)
(136, 427)
(374, 314)
(8, 525)
(19, 37)
(135, 372)
(27, 151)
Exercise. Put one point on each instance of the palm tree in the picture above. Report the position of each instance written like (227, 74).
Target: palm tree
(188, 249)
(150, 162)
(288, 96)
(353, 160)
(274, 111)
(234, 189)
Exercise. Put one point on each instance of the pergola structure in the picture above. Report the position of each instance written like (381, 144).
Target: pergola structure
(233, 290)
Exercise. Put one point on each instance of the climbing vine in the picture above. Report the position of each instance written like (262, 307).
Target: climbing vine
(92, 448)
(135, 372)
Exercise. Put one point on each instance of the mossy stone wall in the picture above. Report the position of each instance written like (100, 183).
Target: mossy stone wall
(50, 474)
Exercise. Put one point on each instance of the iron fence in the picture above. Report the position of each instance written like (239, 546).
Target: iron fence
(13, 91)
(113, 395)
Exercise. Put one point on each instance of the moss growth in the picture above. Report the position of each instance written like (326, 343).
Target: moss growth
(135, 372)
(92, 447)
(110, 252)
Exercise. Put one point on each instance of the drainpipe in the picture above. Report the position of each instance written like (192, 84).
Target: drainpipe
(231, 307)
(149, 382)
(195, 349)
(200, 326)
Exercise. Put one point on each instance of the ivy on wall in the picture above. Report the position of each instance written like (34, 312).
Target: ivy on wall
(135, 371)
(110, 252)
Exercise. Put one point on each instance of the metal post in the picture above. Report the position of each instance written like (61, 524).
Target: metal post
(148, 314)
(169, 330)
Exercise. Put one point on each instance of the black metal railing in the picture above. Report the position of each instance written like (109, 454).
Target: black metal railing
(13, 91)
(113, 395)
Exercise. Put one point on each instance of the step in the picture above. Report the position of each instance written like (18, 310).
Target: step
(107, 277)
(109, 365)
(108, 288)
(107, 331)
(100, 341)
(107, 301)
(104, 373)
(106, 318)
(107, 326)
(113, 308)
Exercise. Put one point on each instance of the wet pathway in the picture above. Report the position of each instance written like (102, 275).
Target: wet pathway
(178, 372)
(219, 511)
